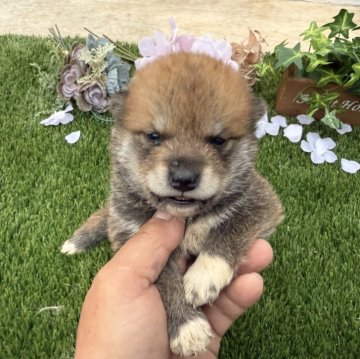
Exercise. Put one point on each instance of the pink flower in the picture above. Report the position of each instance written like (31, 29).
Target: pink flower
(219, 49)
(160, 45)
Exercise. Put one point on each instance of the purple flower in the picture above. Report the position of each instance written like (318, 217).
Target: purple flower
(70, 73)
(93, 97)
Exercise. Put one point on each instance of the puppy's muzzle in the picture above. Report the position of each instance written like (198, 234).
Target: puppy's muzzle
(184, 175)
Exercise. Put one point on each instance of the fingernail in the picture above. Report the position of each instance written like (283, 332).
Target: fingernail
(163, 215)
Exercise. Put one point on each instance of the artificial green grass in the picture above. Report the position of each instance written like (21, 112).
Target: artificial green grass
(311, 305)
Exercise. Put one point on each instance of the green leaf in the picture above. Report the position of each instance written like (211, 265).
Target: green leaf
(354, 76)
(315, 62)
(341, 47)
(342, 25)
(320, 42)
(312, 31)
(263, 69)
(330, 119)
(317, 101)
(287, 56)
(329, 76)
(355, 90)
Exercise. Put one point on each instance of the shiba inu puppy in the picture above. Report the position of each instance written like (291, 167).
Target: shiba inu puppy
(184, 141)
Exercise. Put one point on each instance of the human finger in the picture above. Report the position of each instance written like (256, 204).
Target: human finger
(260, 255)
(242, 293)
(147, 252)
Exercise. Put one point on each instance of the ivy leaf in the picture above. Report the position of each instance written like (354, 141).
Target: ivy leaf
(354, 76)
(315, 62)
(287, 56)
(328, 76)
(355, 90)
(330, 119)
(318, 101)
(320, 42)
(342, 25)
(312, 31)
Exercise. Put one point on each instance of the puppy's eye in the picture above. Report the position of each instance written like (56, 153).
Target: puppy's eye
(154, 137)
(217, 141)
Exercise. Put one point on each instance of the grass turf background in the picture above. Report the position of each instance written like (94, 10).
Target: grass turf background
(311, 305)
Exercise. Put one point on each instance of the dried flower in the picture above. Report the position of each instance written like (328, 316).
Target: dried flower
(93, 97)
(248, 53)
(72, 71)
(74, 54)
(68, 87)
(117, 76)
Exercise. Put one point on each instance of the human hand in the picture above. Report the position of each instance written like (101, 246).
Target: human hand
(123, 315)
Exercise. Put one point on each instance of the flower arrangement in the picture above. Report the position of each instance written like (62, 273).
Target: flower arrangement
(95, 70)
(332, 59)
(91, 73)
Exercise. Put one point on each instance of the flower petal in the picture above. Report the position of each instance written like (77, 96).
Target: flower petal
(316, 158)
(272, 129)
(293, 133)
(312, 137)
(330, 156)
(329, 143)
(260, 131)
(65, 118)
(350, 166)
(68, 108)
(73, 137)
(305, 119)
(279, 120)
(320, 147)
(344, 128)
(306, 146)
(59, 117)
(147, 47)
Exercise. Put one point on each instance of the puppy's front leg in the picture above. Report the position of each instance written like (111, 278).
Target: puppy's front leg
(216, 263)
(189, 331)
(208, 275)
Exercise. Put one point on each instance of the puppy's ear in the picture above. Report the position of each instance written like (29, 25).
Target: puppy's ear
(117, 105)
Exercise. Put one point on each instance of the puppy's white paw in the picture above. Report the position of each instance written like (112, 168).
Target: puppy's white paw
(205, 278)
(69, 248)
(193, 338)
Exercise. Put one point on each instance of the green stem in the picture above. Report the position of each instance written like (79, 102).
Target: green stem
(121, 49)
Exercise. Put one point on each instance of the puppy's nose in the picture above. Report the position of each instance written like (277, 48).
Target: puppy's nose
(181, 177)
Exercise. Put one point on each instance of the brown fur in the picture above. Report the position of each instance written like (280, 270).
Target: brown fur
(188, 100)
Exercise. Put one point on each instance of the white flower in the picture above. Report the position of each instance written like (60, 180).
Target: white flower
(73, 137)
(279, 120)
(350, 166)
(305, 119)
(344, 128)
(272, 128)
(319, 148)
(293, 133)
(59, 117)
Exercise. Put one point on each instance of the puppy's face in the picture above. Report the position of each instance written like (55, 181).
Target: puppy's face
(184, 133)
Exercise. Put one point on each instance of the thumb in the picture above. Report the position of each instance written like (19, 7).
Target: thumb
(148, 251)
